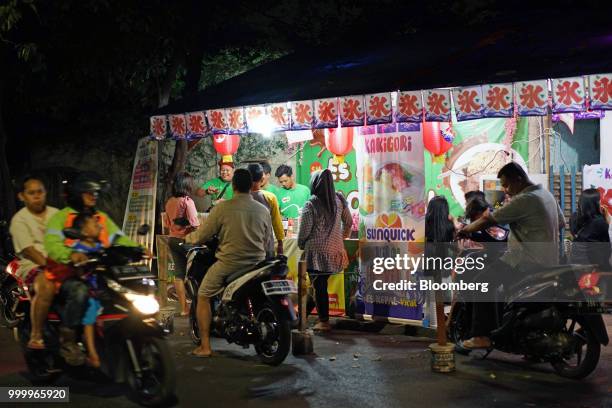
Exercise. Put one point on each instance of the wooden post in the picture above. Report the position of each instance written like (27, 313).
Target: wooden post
(547, 131)
(162, 269)
(301, 339)
(302, 296)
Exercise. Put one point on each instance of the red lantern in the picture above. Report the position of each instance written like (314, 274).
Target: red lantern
(433, 140)
(339, 142)
(226, 146)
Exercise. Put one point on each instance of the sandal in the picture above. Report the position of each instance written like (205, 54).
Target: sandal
(36, 345)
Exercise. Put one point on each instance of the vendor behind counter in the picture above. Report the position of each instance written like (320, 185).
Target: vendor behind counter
(292, 196)
(219, 188)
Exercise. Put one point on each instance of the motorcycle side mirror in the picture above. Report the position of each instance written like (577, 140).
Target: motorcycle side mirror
(72, 233)
(143, 229)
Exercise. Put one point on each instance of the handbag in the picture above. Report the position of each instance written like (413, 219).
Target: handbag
(182, 221)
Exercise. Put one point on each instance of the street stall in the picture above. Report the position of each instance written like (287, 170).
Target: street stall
(391, 150)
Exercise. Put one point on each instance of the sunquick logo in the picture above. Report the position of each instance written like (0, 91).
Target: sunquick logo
(390, 234)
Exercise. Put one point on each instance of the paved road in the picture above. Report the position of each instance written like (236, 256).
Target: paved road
(350, 369)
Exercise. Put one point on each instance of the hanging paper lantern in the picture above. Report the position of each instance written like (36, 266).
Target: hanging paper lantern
(433, 140)
(226, 145)
(339, 141)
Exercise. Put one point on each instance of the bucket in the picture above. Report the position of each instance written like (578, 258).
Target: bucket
(166, 318)
(442, 358)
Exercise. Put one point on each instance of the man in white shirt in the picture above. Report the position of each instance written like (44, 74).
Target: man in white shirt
(534, 218)
(28, 231)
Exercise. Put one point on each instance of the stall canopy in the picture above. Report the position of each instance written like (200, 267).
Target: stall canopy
(420, 61)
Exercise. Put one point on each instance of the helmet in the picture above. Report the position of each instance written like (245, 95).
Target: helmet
(85, 182)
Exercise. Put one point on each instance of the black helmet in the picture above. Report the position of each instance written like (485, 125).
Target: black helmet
(85, 182)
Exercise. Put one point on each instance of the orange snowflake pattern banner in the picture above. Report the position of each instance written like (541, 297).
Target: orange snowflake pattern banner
(378, 108)
(568, 95)
(158, 127)
(601, 91)
(532, 97)
(409, 106)
(498, 99)
(196, 125)
(352, 111)
(437, 105)
(326, 113)
(468, 103)
(178, 127)
(301, 115)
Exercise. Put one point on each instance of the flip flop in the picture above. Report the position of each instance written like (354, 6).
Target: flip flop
(36, 345)
(201, 355)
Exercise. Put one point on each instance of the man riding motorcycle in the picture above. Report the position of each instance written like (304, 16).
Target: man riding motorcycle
(81, 196)
(243, 226)
(534, 217)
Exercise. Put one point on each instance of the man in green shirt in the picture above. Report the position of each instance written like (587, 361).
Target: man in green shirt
(292, 196)
(219, 188)
(265, 181)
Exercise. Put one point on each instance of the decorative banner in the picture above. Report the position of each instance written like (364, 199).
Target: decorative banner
(254, 114)
(158, 127)
(140, 207)
(437, 105)
(226, 146)
(378, 108)
(326, 113)
(498, 100)
(600, 177)
(279, 114)
(392, 219)
(301, 115)
(352, 111)
(568, 95)
(196, 125)
(468, 103)
(478, 150)
(601, 91)
(532, 98)
(409, 106)
(218, 121)
(235, 120)
(178, 127)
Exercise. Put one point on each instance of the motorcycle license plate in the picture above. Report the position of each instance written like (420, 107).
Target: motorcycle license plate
(279, 287)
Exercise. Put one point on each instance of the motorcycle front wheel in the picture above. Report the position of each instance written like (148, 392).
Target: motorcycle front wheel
(274, 347)
(584, 355)
(155, 384)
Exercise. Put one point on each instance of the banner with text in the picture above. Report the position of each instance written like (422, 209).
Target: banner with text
(392, 211)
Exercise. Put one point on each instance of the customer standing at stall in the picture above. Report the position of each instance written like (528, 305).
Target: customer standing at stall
(219, 188)
(326, 222)
(181, 219)
(589, 226)
(269, 200)
(292, 196)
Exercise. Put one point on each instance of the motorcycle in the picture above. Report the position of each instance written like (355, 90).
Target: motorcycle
(568, 334)
(254, 307)
(10, 283)
(128, 338)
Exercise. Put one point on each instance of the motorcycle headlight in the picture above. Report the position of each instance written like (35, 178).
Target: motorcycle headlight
(147, 305)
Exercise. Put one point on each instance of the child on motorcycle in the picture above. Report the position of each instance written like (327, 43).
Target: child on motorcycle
(89, 229)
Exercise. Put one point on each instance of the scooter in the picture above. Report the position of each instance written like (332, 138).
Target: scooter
(566, 334)
(129, 340)
(254, 307)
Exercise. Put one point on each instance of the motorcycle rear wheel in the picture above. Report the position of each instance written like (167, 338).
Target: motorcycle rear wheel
(8, 300)
(458, 328)
(274, 350)
(43, 366)
(157, 383)
(587, 353)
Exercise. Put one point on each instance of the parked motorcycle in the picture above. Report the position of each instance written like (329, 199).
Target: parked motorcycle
(566, 334)
(129, 340)
(254, 307)
(10, 283)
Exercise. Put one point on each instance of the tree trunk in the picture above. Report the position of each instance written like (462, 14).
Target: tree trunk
(7, 194)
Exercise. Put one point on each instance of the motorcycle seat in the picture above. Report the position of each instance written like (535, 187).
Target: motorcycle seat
(232, 277)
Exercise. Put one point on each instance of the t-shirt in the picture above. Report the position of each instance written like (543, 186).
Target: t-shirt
(179, 207)
(292, 201)
(534, 217)
(272, 188)
(219, 185)
(28, 230)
